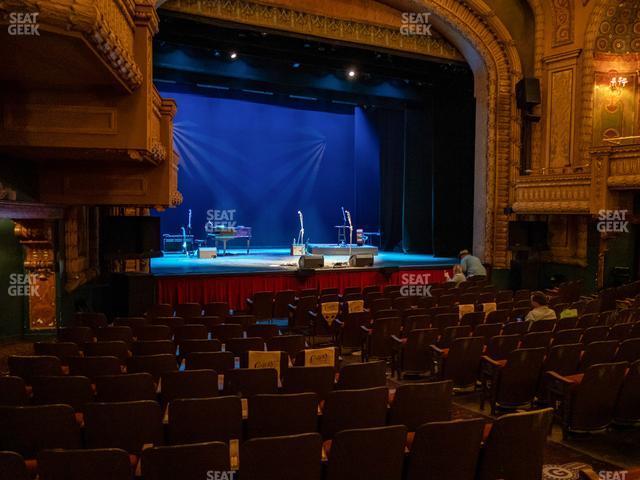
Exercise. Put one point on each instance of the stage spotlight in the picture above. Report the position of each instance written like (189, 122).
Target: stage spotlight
(233, 55)
(295, 65)
(351, 73)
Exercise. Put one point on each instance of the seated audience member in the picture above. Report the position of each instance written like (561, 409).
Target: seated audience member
(458, 276)
(540, 310)
(471, 266)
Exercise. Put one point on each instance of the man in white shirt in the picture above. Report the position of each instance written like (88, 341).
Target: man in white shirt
(471, 266)
(540, 310)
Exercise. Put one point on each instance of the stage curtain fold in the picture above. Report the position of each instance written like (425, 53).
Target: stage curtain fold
(390, 126)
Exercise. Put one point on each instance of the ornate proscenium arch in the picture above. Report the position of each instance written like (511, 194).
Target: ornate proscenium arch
(486, 45)
(490, 51)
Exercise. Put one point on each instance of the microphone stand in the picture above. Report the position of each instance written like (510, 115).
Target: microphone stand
(184, 241)
(301, 233)
(350, 231)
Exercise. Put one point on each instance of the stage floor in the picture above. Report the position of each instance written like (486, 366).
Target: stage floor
(278, 260)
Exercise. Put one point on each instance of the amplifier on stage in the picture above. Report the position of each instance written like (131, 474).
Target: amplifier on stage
(207, 252)
(359, 237)
(174, 243)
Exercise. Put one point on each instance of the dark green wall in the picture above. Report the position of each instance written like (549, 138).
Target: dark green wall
(571, 272)
(622, 253)
(12, 311)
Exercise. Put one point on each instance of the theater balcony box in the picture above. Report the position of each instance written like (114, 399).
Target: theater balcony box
(79, 101)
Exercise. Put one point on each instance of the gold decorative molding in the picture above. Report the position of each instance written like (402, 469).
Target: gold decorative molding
(567, 240)
(560, 109)
(37, 238)
(109, 185)
(625, 182)
(536, 128)
(298, 21)
(618, 166)
(72, 119)
(560, 119)
(146, 15)
(81, 241)
(557, 194)
(107, 25)
(563, 22)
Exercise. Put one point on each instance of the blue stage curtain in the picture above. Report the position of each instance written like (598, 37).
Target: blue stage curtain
(265, 162)
(390, 126)
(406, 156)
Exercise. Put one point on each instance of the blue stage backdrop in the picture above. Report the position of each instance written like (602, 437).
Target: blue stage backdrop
(256, 164)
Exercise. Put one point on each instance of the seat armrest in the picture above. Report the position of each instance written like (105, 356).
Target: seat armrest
(249, 301)
(396, 339)
(365, 329)
(557, 377)
(313, 314)
(338, 321)
(436, 349)
(291, 307)
(490, 361)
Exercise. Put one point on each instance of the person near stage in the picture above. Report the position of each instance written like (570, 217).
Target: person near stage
(458, 276)
(471, 265)
(540, 310)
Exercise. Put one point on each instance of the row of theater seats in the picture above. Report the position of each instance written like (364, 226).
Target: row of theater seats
(358, 433)
(407, 338)
(512, 376)
(462, 348)
(269, 304)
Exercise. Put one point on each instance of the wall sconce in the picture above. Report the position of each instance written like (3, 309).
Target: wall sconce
(616, 84)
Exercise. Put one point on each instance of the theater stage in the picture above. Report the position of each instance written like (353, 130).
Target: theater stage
(235, 277)
(278, 260)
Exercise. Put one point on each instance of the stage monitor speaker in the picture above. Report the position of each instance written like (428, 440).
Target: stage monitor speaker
(361, 261)
(311, 261)
(528, 92)
(207, 252)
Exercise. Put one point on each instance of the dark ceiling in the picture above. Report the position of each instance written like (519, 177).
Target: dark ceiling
(188, 51)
